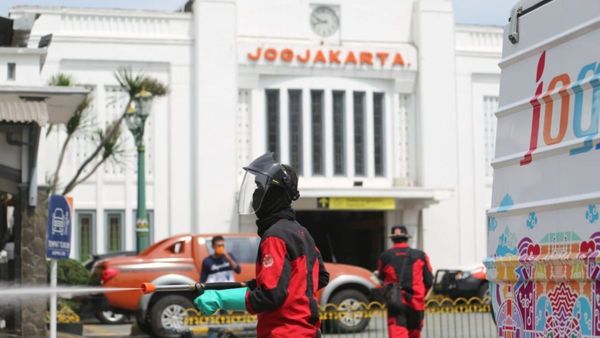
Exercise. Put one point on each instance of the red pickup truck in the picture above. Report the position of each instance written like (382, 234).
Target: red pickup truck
(178, 259)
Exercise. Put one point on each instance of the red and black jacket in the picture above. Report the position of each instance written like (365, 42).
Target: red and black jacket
(417, 277)
(289, 272)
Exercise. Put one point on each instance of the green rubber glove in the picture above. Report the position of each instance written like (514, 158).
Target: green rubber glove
(212, 300)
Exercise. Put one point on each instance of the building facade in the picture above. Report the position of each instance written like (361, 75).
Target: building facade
(385, 109)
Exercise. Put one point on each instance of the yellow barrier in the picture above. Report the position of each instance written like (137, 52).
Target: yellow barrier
(326, 312)
(335, 312)
(459, 305)
(194, 317)
(444, 317)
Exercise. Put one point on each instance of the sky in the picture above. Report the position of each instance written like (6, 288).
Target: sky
(481, 12)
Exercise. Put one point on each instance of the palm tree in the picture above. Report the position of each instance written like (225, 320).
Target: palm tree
(109, 145)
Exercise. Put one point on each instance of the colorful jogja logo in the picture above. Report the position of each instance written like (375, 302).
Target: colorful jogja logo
(564, 81)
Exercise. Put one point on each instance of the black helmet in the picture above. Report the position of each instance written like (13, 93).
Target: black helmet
(262, 174)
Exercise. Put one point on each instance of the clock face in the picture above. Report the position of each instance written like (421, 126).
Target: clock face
(324, 21)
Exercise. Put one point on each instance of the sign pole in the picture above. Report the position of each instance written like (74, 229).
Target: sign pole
(58, 245)
(53, 278)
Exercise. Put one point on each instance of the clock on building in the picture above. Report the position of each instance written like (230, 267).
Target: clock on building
(324, 21)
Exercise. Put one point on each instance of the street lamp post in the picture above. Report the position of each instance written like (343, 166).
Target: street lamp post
(136, 116)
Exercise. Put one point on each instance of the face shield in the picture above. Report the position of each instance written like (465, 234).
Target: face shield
(252, 192)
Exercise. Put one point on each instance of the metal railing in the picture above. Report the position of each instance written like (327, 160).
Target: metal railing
(444, 317)
(459, 318)
(362, 320)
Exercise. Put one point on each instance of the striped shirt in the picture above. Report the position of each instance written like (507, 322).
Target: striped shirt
(218, 269)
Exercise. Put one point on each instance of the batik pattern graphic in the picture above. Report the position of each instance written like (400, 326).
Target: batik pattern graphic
(552, 290)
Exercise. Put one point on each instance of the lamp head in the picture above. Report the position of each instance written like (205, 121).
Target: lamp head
(143, 101)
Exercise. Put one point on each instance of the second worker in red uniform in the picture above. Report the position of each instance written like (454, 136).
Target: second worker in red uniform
(411, 269)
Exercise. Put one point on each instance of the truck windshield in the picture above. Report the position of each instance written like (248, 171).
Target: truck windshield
(243, 249)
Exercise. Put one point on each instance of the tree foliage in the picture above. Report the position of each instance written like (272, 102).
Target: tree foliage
(107, 141)
(70, 272)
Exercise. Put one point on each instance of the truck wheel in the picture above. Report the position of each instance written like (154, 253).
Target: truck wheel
(350, 302)
(167, 316)
(142, 324)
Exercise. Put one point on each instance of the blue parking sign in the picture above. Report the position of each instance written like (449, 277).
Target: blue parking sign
(58, 232)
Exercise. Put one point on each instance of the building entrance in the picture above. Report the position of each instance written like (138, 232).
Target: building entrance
(347, 237)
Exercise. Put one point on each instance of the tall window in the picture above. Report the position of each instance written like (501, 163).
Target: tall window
(11, 71)
(150, 216)
(86, 222)
(272, 98)
(359, 134)
(490, 105)
(339, 151)
(115, 227)
(318, 144)
(401, 126)
(295, 121)
(243, 132)
(378, 133)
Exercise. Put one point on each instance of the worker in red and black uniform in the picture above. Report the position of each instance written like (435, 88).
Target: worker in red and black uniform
(411, 268)
(289, 267)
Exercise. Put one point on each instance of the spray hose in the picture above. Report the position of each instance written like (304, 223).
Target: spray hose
(196, 287)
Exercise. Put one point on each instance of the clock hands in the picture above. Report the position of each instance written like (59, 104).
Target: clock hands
(317, 21)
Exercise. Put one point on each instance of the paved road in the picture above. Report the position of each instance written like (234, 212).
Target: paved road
(102, 330)
(375, 330)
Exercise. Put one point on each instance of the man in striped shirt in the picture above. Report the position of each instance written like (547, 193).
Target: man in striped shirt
(220, 266)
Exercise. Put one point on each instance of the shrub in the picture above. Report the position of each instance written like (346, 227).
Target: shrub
(70, 272)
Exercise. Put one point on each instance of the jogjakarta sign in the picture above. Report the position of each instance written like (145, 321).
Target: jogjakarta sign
(325, 57)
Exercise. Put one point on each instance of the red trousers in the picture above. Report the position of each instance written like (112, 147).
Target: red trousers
(405, 325)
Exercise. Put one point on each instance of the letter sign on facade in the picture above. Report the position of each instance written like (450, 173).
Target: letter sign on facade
(348, 58)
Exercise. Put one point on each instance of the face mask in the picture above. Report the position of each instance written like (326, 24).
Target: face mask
(257, 198)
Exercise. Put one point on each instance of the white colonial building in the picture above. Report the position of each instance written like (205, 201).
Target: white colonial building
(385, 108)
